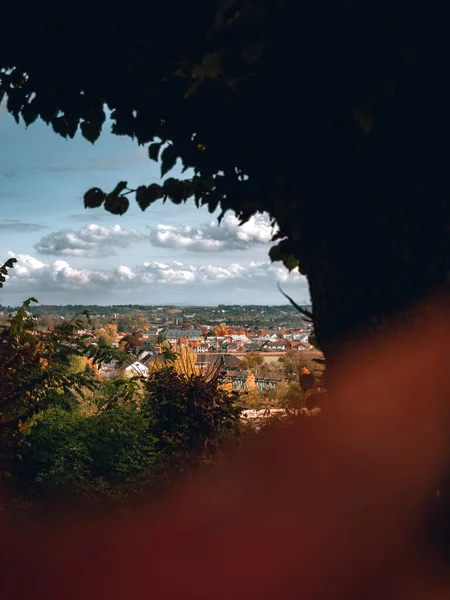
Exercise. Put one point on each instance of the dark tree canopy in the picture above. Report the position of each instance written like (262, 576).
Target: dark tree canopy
(331, 116)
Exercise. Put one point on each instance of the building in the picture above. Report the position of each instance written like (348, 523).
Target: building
(240, 339)
(279, 346)
(202, 348)
(224, 363)
(173, 335)
(136, 369)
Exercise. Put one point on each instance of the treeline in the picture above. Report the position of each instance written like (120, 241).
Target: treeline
(69, 310)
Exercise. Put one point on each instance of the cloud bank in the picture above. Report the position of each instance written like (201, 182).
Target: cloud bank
(92, 241)
(212, 237)
(32, 275)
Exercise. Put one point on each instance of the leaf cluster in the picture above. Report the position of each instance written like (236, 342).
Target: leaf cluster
(36, 368)
(66, 454)
(188, 412)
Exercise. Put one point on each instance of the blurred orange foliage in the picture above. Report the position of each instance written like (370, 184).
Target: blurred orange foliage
(324, 509)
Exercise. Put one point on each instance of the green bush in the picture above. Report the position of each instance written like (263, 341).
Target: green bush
(120, 444)
(189, 413)
(66, 454)
(54, 455)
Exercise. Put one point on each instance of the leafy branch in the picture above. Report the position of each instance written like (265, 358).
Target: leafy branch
(9, 264)
(305, 313)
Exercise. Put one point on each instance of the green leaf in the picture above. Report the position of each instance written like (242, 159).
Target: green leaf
(30, 113)
(90, 130)
(168, 159)
(94, 198)
(174, 189)
(9, 264)
(276, 253)
(61, 126)
(116, 205)
(120, 187)
(290, 262)
(147, 195)
(13, 105)
(153, 150)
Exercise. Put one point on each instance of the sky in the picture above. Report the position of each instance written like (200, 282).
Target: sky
(166, 255)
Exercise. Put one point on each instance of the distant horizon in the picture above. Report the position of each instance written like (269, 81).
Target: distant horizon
(165, 305)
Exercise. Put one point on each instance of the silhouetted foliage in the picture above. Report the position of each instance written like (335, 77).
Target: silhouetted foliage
(328, 115)
(9, 264)
(189, 413)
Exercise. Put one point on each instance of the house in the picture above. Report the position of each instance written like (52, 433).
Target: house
(272, 334)
(173, 335)
(202, 348)
(153, 332)
(233, 347)
(220, 362)
(300, 346)
(140, 347)
(252, 347)
(109, 370)
(279, 346)
(194, 339)
(266, 338)
(301, 337)
(240, 338)
(136, 369)
(146, 356)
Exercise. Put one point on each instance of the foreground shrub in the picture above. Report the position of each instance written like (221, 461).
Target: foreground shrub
(190, 414)
(74, 455)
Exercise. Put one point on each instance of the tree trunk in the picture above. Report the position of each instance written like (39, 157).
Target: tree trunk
(364, 273)
(370, 265)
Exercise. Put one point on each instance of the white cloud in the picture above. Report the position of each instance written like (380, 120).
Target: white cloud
(125, 272)
(32, 276)
(212, 237)
(92, 241)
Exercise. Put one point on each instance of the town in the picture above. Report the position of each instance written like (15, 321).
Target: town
(245, 343)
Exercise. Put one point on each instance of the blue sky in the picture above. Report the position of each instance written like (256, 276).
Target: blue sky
(167, 254)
